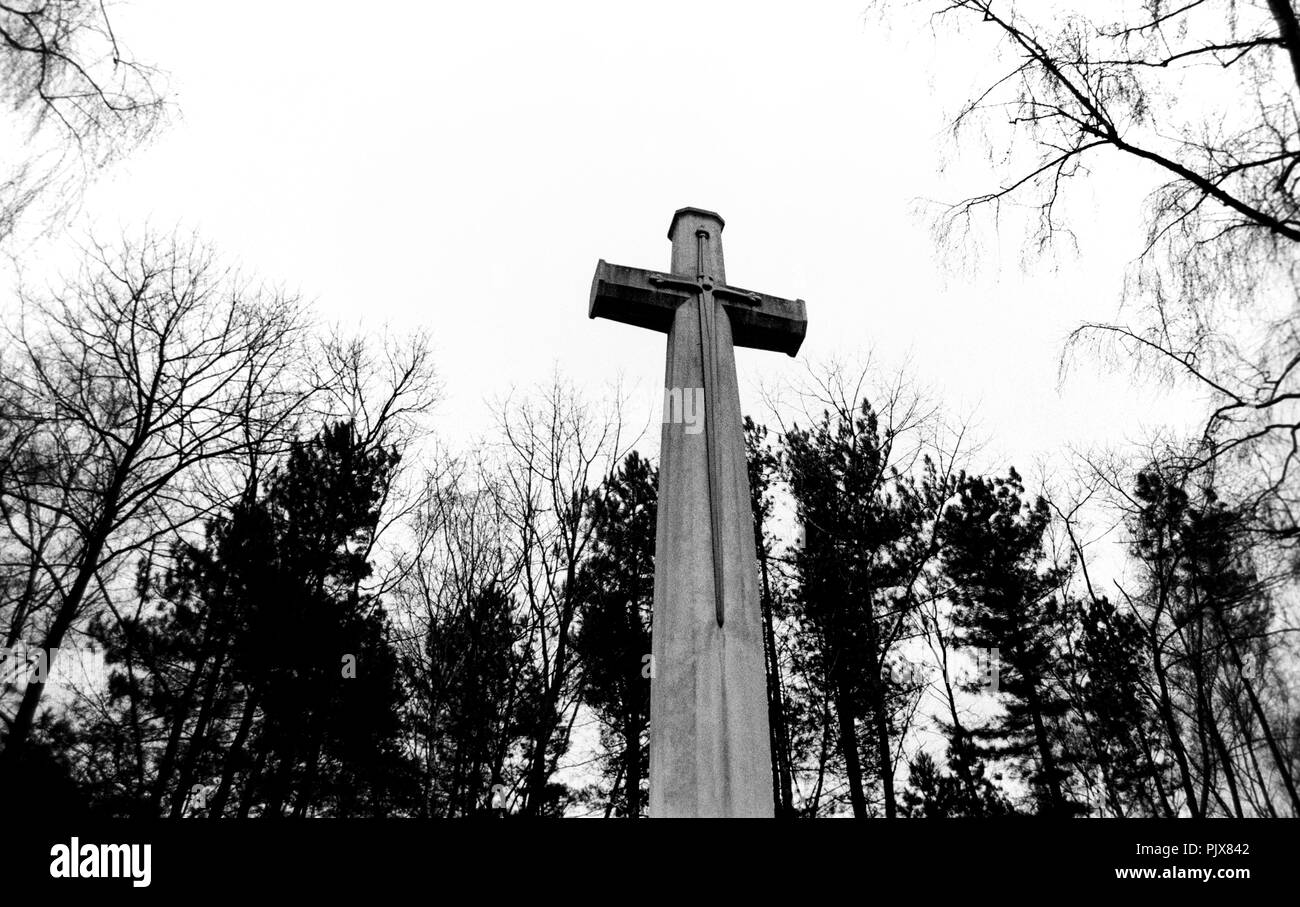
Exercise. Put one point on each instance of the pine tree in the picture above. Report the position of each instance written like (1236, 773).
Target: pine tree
(1208, 615)
(269, 671)
(862, 528)
(932, 793)
(324, 723)
(613, 638)
(468, 703)
(1006, 608)
(763, 464)
(1122, 727)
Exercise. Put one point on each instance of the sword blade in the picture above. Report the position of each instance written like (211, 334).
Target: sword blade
(709, 369)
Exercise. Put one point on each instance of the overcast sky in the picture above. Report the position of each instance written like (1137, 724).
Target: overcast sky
(463, 166)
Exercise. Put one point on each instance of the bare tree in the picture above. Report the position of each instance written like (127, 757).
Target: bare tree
(467, 668)
(132, 396)
(1200, 95)
(556, 450)
(81, 98)
(1215, 638)
(385, 385)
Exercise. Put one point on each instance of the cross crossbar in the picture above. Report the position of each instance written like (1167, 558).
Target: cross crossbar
(649, 299)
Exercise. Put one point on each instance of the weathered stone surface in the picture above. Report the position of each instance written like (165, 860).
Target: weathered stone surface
(709, 744)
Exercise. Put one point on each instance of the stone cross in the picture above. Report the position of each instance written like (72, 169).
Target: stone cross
(710, 751)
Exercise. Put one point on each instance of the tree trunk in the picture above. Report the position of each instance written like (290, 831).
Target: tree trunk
(1288, 30)
(252, 783)
(307, 792)
(782, 783)
(960, 746)
(1283, 769)
(1047, 759)
(179, 717)
(880, 713)
(21, 727)
(201, 724)
(218, 805)
(537, 773)
(1259, 779)
(1220, 748)
(92, 548)
(849, 750)
(281, 780)
(1166, 708)
(632, 761)
(1154, 772)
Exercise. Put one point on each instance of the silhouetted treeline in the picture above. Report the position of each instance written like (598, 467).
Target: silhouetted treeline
(1178, 678)
(305, 607)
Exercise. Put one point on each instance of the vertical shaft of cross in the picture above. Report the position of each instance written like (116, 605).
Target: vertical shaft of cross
(710, 754)
(710, 751)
